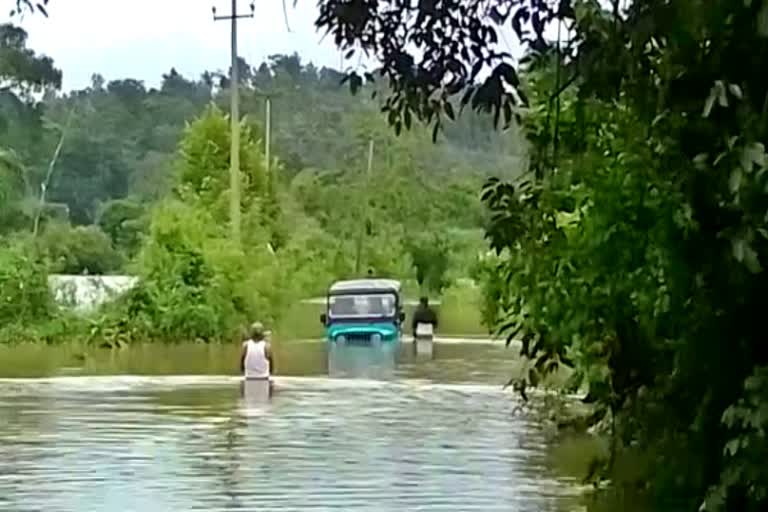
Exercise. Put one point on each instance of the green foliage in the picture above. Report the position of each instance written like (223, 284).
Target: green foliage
(460, 310)
(27, 310)
(431, 258)
(634, 252)
(78, 249)
(124, 221)
(194, 284)
(23, 76)
(13, 186)
(204, 162)
(20, 68)
(24, 294)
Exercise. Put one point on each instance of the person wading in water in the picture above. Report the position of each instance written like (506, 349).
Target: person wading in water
(424, 315)
(256, 362)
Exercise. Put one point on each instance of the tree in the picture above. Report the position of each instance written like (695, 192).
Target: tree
(123, 220)
(431, 259)
(204, 162)
(23, 73)
(78, 250)
(24, 293)
(21, 70)
(435, 52)
(13, 188)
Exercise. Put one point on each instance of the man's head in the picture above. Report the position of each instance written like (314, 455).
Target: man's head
(424, 301)
(256, 331)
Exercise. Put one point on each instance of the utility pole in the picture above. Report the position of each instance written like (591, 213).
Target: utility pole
(267, 138)
(267, 124)
(234, 151)
(269, 180)
(366, 201)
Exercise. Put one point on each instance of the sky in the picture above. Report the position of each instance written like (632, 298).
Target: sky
(143, 39)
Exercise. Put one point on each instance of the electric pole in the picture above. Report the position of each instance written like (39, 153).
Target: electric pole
(267, 129)
(234, 151)
(267, 137)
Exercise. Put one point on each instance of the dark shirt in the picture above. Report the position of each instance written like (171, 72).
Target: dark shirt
(424, 315)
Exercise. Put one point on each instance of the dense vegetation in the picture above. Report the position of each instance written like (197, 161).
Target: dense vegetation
(136, 180)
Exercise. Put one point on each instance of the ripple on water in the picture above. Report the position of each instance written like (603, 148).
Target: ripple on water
(192, 443)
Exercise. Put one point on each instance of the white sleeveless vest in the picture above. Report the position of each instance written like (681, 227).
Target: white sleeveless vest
(256, 362)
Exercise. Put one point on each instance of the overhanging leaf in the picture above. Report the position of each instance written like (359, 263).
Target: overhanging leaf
(752, 154)
(734, 181)
(735, 90)
(731, 447)
(751, 260)
(737, 248)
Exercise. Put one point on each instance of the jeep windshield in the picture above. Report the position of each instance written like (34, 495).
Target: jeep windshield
(362, 306)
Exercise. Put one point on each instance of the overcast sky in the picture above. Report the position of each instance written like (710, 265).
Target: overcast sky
(144, 38)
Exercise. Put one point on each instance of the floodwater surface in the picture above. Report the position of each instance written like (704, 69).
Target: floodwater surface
(358, 433)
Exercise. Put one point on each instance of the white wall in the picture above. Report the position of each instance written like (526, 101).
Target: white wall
(85, 293)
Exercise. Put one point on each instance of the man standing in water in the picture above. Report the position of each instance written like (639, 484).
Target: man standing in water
(256, 361)
(424, 315)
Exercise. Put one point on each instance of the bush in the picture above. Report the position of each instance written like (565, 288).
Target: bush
(27, 310)
(57, 328)
(24, 294)
(194, 283)
(124, 221)
(77, 250)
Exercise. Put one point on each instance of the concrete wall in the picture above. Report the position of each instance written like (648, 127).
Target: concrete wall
(85, 293)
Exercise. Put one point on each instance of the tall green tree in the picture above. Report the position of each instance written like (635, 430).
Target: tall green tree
(13, 188)
(23, 75)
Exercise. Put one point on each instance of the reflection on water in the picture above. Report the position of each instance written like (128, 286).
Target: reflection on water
(363, 362)
(255, 393)
(167, 428)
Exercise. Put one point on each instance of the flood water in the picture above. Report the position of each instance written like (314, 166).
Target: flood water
(167, 429)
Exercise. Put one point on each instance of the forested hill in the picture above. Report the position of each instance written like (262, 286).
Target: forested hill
(121, 136)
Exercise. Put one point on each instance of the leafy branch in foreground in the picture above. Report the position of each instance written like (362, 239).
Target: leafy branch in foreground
(30, 5)
(439, 55)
